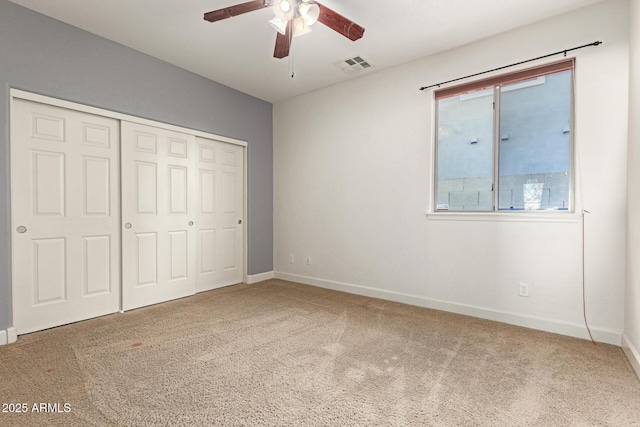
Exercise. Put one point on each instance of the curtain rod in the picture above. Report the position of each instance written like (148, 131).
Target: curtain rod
(598, 43)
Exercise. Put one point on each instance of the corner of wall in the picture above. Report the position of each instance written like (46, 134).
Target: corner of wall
(9, 336)
(632, 353)
(260, 277)
(631, 336)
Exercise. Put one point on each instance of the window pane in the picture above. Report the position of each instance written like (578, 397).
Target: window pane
(465, 152)
(535, 143)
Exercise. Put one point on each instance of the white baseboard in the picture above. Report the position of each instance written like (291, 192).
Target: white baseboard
(255, 278)
(632, 353)
(9, 336)
(527, 321)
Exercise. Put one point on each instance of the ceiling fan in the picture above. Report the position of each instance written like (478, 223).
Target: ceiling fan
(292, 18)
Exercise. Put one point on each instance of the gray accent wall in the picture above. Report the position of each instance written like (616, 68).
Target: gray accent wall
(45, 56)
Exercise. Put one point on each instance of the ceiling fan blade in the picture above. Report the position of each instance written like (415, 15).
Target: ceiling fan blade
(238, 9)
(339, 23)
(283, 42)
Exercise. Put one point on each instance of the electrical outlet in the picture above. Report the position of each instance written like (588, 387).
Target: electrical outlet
(291, 259)
(523, 290)
(308, 262)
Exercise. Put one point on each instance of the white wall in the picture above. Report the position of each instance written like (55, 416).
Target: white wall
(353, 180)
(632, 299)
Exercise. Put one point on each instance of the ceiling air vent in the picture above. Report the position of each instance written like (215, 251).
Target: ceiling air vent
(352, 65)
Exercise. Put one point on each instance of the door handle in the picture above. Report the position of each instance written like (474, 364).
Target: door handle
(190, 223)
(127, 225)
(21, 229)
(239, 221)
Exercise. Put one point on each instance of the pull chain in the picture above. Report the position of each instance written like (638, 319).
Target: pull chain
(291, 70)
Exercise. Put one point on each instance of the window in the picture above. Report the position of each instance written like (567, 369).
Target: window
(505, 143)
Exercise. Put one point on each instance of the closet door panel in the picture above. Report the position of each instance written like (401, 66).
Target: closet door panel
(158, 213)
(65, 216)
(220, 214)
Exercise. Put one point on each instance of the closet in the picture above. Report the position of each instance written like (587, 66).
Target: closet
(111, 213)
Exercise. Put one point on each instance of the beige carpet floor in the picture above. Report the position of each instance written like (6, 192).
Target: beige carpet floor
(279, 353)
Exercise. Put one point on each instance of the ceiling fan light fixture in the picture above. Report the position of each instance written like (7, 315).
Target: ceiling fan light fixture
(284, 5)
(279, 25)
(310, 12)
(283, 10)
(300, 27)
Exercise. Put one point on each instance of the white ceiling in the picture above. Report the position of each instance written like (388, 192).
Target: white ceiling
(238, 52)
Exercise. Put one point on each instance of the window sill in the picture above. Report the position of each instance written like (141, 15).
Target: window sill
(505, 216)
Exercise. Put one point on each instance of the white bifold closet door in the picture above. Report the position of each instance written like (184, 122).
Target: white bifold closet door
(158, 215)
(64, 213)
(220, 210)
